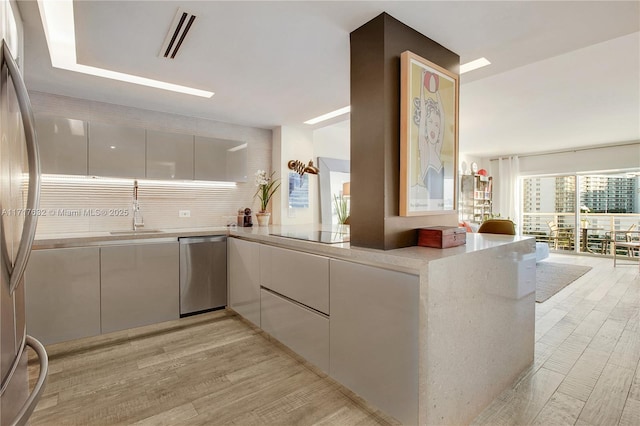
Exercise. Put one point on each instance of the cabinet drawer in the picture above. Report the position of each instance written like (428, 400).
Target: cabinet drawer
(304, 331)
(300, 276)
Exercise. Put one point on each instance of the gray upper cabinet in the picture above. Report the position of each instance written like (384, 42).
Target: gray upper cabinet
(116, 151)
(220, 159)
(63, 145)
(169, 155)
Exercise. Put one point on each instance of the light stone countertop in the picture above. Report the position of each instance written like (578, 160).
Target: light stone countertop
(414, 260)
(80, 239)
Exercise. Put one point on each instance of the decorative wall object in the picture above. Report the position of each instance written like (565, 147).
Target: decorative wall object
(302, 168)
(428, 137)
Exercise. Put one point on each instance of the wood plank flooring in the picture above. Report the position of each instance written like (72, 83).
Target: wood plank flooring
(215, 369)
(210, 369)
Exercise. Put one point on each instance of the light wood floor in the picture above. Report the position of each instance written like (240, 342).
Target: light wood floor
(214, 369)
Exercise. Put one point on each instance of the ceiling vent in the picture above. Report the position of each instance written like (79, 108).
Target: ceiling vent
(177, 32)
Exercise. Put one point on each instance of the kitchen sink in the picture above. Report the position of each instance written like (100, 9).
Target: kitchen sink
(136, 232)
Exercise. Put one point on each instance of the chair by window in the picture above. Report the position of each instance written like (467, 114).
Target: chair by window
(630, 242)
(498, 226)
(622, 236)
(559, 237)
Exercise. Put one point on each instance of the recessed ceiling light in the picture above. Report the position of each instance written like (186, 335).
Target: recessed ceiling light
(474, 65)
(59, 30)
(329, 115)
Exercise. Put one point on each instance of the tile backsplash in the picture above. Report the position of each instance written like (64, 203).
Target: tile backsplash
(74, 204)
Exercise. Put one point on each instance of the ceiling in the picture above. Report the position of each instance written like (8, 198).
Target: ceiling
(563, 74)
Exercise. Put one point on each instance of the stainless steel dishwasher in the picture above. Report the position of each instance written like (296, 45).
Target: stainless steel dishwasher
(203, 274)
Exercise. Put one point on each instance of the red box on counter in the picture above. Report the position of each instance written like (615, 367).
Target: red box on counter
(442, 236)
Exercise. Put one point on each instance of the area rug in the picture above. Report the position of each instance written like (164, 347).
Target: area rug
(552, 277)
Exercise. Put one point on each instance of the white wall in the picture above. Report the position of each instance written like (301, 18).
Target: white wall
(333, 141)
(293, 143)
(304, 143)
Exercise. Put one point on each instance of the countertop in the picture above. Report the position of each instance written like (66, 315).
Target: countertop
(414, 260)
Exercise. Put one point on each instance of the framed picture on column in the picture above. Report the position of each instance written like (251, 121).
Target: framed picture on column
(428, 137)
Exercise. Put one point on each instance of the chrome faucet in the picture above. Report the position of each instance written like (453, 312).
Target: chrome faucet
(138, 221)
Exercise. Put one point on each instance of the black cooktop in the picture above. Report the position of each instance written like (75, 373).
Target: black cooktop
(325, 237)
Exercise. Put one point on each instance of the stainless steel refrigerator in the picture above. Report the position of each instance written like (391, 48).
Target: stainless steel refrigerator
(19, 201)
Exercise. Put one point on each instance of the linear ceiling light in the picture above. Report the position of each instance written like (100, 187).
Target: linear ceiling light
(474, 65)
(59, 30)
(329, 115)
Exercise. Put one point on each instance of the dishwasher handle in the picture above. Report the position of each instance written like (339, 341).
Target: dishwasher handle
(207, 239)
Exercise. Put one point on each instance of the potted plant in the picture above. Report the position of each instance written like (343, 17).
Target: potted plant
(342, 209)
(267, 186)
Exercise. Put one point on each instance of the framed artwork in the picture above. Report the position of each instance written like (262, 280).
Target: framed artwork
(298, 191)
(428, 137)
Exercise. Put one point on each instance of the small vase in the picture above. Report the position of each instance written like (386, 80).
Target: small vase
(263, 218)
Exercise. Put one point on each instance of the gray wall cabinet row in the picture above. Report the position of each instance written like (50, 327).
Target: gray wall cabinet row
(76, 147)
(85, 291)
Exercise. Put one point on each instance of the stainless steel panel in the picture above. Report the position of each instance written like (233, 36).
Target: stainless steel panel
(19, 171)
(25, 157)
(16, 392)
(203, 274)
(8, 338)
(29, 402)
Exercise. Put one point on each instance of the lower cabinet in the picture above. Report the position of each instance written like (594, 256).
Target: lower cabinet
(63, 294)
(304, 331)
(139, 285)
(243, 271)
(374, 336)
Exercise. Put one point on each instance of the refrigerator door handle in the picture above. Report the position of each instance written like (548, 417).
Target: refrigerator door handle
(33, 159)
(30, 404)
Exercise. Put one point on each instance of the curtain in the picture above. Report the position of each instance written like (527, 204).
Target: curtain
(509, 188)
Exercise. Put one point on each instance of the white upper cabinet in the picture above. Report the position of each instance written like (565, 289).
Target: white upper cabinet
(63, 145)
(169, 155)
(116, 151)
(220, 159)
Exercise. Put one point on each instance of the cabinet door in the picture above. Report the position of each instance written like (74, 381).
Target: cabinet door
(374, 336)
(63, 145)
(220, 159)
(116, 151)
(169, 155)
(300, 276)
(304, 331)
(63, 294)
(244, 276)
(140, 285)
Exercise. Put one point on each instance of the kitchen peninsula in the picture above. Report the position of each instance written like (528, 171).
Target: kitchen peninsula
(429, 336)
